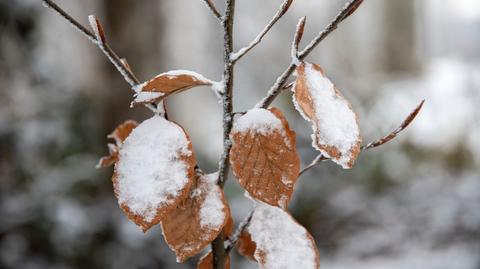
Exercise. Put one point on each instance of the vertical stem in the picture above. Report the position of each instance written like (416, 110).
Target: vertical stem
(218, 247)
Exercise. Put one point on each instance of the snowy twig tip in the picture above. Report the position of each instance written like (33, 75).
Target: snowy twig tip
(408, 120)
(97, 28)
(298, 37)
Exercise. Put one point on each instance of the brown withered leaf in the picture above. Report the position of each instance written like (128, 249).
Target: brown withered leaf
(278, 241)
(168, 83)
(335, 126)
(264, 157)
(245, 246)
(206, 262)
(154, 171)
(198, 219)
(228, 228)
(120, 133)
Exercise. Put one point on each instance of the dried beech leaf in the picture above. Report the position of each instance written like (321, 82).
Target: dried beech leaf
(198, 219)
(120, 133)
(245, 246)
(228, 228)
(155, 171)
(168, 83)
(335, 128)
(123, 131)
(280, 241)
(264, 156)
(206, 262)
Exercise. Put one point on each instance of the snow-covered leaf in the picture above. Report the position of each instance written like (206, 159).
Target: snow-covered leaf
(206, 262)
(120, 133)
(168, 83)
(264, 156)
(155, 171)
(336, 132)
(280, 242)
(196, 220)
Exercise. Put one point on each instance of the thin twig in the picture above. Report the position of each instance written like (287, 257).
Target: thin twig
(298, 37)
(218, 245)
(409, 119)
(281, 11)
(382, 141)
(212, 8)
(241, 227)
(277, 87)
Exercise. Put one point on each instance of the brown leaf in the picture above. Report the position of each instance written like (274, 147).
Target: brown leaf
(228, 228)
(206, 262)
(278, 241)
(336, 132)
(198, 219)
(120, 133)
(168, 83)
(155, 171)
(264, 156)
(245, 246)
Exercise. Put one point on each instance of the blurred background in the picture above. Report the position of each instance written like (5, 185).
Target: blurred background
(413, 203)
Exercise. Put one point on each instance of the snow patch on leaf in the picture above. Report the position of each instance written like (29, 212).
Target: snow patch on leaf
(154, 171)
(280, 241)
(259, 120)
(336, 133)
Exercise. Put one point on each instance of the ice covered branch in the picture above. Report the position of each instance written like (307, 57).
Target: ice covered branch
(278, 86)
(281, 11)
(382, 141)
(298, 37)
(241, 227)
(212, 8)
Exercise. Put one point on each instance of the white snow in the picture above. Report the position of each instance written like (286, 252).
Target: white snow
(337, 123)
(212, 210)
(286, 243)
(259, 120)
(142, 97)
(174, 73)
(149, 170)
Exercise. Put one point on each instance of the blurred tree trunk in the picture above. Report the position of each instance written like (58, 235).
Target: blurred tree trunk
(400, 36)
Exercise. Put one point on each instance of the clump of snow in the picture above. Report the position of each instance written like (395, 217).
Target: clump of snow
(143, 97)
(175, 73)
(285, 243)
(259, 120)
(212, 211)
(336, 122)
(149, 170)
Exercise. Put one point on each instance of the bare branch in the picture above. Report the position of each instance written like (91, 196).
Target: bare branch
(212, 8)
(409, 119)
(218, 246)
(281, 11)
(298, 37)
(382, 141)
(277, 87)
(241, 227)
(348, 10)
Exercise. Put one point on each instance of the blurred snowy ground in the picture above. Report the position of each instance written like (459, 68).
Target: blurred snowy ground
(414, 203)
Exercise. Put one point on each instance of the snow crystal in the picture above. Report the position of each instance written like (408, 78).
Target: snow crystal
(286, 244)
(212, 210)
(149, 170)
(260, 120)
(337, 123)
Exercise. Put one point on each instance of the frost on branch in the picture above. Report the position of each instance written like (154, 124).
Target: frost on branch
(335, 128)
(119, 135)
(278, 240)
(168, 83)
(264, 156)
(155, 171)
(206, 262)
(198, 219)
